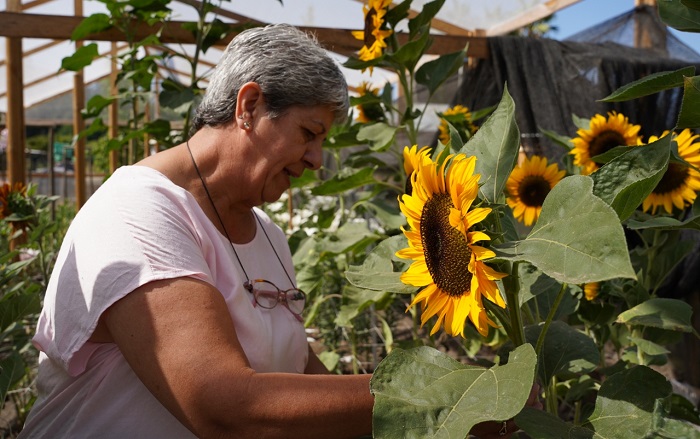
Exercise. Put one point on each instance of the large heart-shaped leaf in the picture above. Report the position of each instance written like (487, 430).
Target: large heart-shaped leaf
(495, 145)
(626, 401)
(671, 314)
(626, 408)
(577, 238)
(423, 393)
(628, 179)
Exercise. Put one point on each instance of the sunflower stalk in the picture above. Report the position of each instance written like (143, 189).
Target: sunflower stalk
(549, 319)
(512, 287)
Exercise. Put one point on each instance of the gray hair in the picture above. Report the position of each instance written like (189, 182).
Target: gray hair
(290, 67)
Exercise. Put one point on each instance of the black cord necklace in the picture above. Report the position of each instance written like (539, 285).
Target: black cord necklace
(223, 227)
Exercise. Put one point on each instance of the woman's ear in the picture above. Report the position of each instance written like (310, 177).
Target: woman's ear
(250, 99)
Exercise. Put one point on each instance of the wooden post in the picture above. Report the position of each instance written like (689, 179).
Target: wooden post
(113, 110)
(79, 125)
(16, 171)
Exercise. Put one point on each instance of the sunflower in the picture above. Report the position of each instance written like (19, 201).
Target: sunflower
(679, 184)
(601, 136)
(591, 290)
(369, 111)
(373, 35)
(446, 260)
(461, 118)
(528, 185)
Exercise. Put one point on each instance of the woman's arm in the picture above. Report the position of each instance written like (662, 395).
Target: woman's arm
(178, 337)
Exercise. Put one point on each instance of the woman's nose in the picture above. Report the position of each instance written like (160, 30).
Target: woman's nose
(314, 157)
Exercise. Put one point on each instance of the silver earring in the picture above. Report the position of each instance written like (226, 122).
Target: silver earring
(246, 125)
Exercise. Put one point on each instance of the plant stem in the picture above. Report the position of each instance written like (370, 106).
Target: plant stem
(551, 397)
(512, 286)
(550, 317)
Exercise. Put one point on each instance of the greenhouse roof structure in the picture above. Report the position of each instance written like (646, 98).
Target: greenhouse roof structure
(45, 28)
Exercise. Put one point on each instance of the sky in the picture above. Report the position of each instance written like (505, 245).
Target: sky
(587, 13)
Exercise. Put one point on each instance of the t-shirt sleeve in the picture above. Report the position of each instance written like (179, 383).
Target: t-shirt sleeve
(127, 235)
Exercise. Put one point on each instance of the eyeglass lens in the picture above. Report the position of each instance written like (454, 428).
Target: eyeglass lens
(267, 294)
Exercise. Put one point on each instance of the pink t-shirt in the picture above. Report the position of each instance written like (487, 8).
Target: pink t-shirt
(137, 228)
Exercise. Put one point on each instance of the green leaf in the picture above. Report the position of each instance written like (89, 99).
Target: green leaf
(671, 314)
(580, 122)
(351, 236)
(410, 53)
(482, 113)
(434, 73)
(665, 223)
(648, 347)
(563, 243)
(12, 369)
(675, 14)
(564, 141)
(626, 408)
(398, 13)
(356, 300)
(342, 182)
(178, 100)
(306, 178)
(14, 307)
(689, 116)
(422, 393)
(427, 13)
(380, 136)
(82, 57)
(495, 145)
(543, 425)
(650, 84)
(626, 401)
(377, 272)
(627, 180)
(566, 353)
(96, 104)
(93, 24)
(692, 4)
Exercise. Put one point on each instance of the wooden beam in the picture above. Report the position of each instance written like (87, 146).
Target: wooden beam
(50, 75)
(336, 40)
(36, 50)
(79, 124)
(113, 111)
(530, 16)
(16, 172)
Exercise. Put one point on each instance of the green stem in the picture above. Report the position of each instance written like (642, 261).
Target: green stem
(577, 413)
(512, 286)
(551, 397)
(550, 317)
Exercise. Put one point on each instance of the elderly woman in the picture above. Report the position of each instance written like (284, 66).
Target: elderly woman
(172, 311)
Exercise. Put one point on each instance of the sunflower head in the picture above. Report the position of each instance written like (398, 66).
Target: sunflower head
(442, 239)
(679, 185)
(602, 135)
(370, 111)
(461, 118)
(373, 34)
(528, 186)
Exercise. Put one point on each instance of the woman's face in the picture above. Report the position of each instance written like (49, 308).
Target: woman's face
(287, 146)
